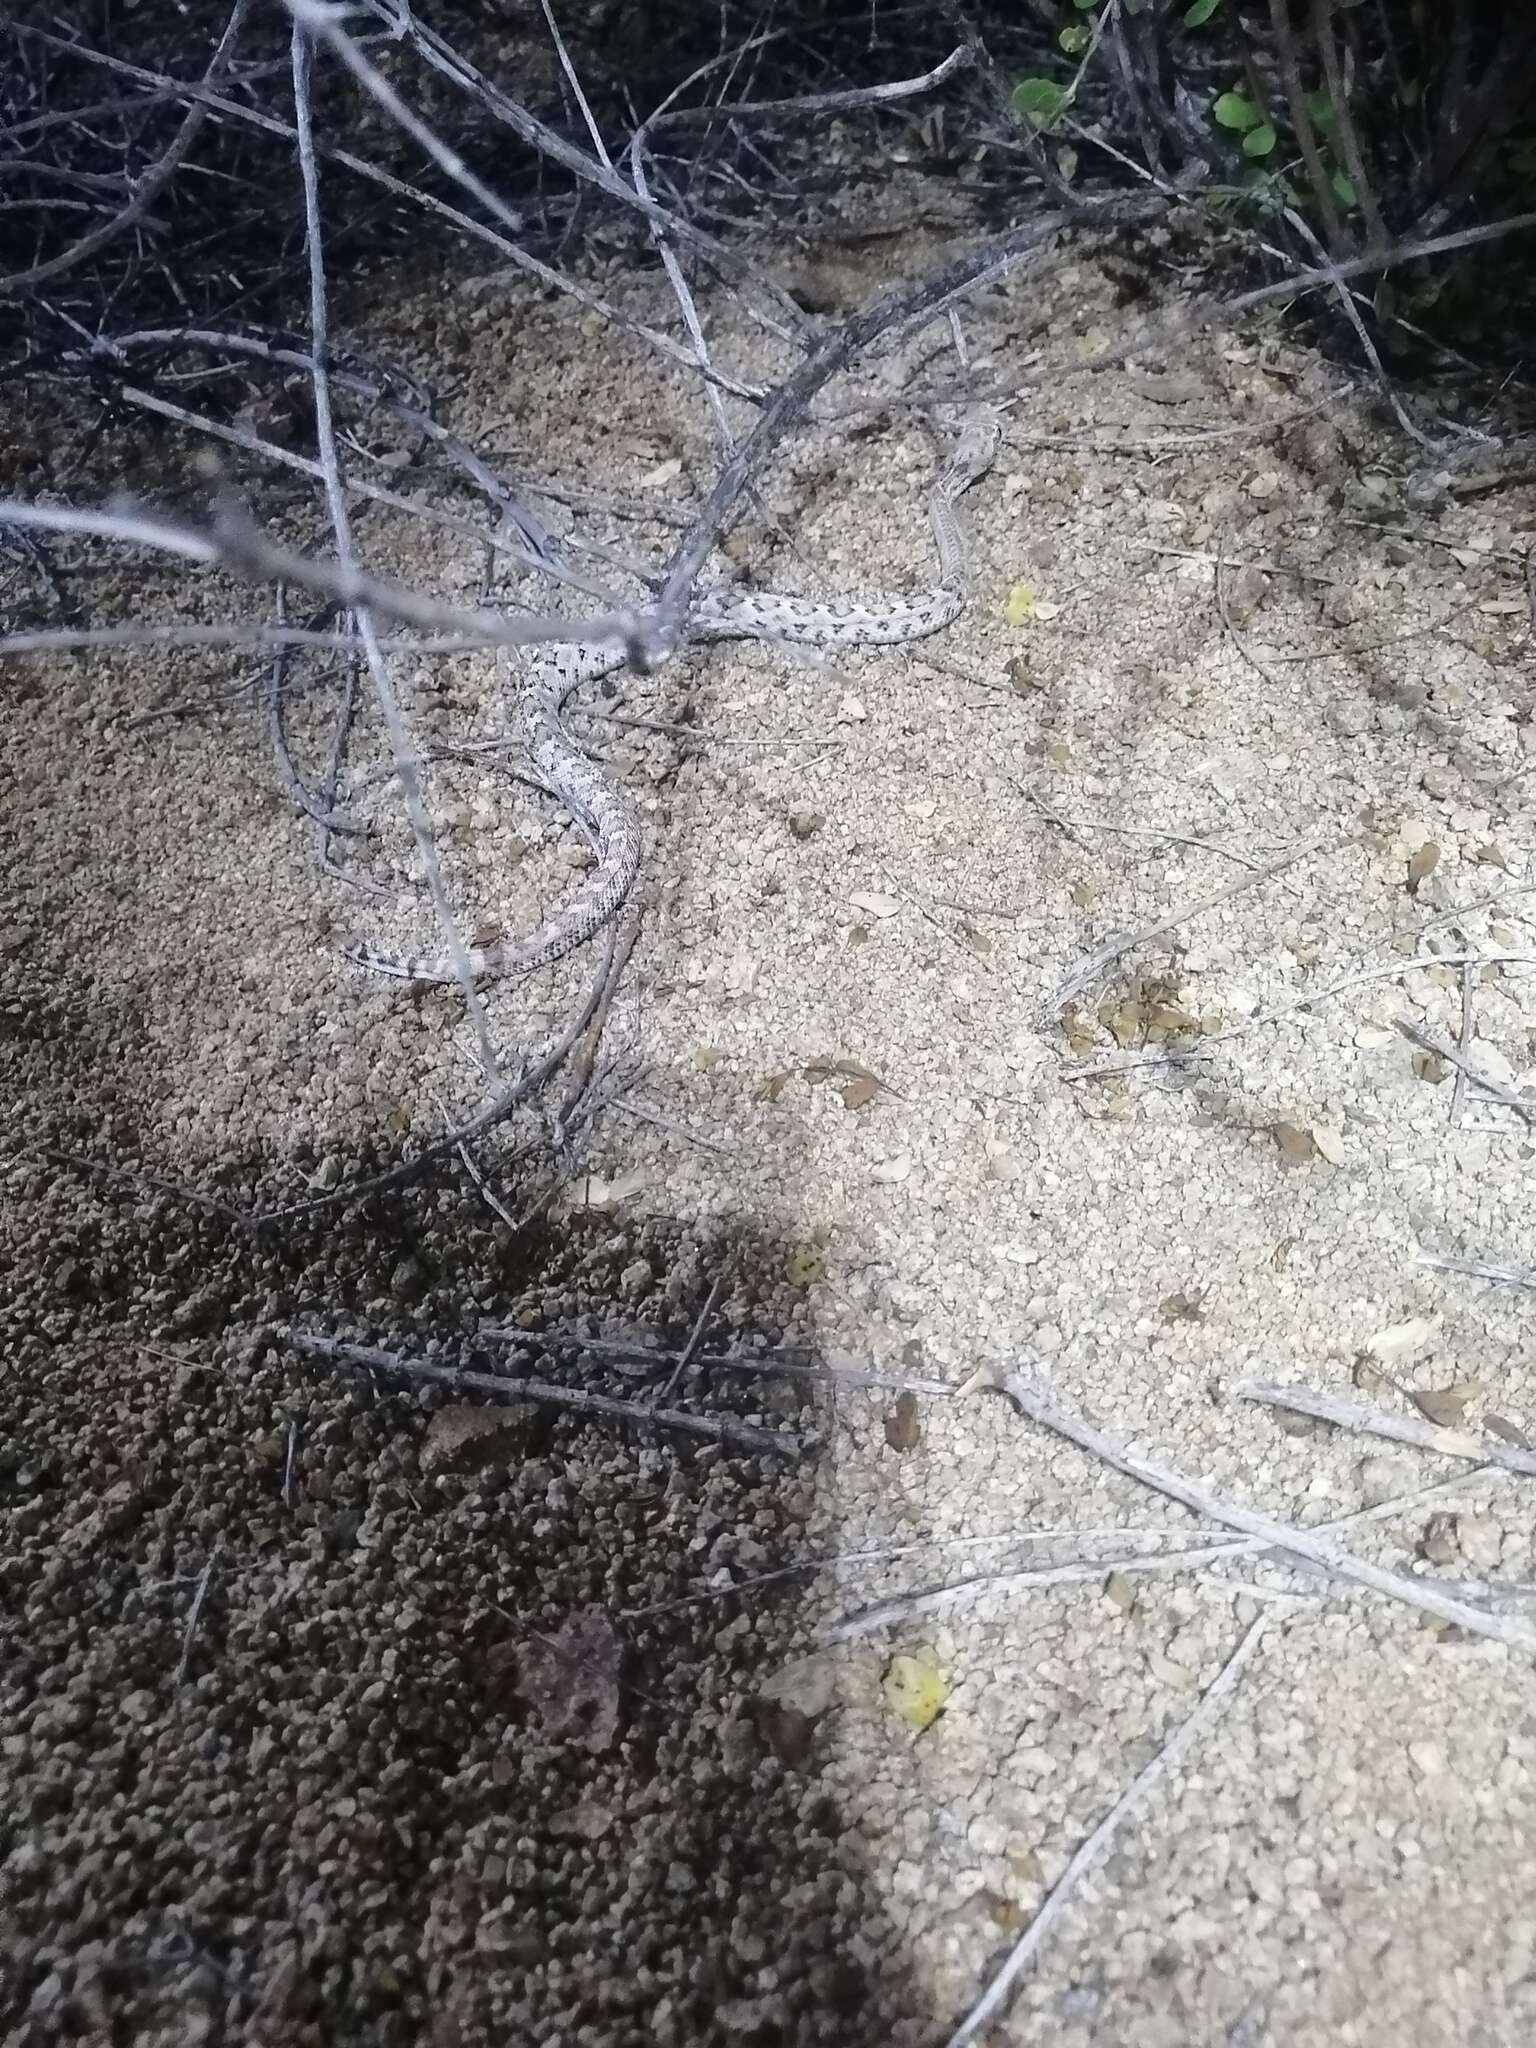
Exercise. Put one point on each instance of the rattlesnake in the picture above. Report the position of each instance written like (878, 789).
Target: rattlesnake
(610, 820)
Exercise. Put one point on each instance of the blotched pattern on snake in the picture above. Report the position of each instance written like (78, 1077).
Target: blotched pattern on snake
(607, 815)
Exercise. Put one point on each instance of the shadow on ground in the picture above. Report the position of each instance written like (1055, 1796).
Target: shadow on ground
(332, 1713)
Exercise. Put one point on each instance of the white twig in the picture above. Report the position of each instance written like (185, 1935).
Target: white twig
(1399, 1429)
(407, 768)
(1480, 1269)
(236, 546)
(1027, 1395)
(991, 2004)
(904, 1608)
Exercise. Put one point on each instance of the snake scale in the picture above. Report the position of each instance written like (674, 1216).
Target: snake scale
(606, 814)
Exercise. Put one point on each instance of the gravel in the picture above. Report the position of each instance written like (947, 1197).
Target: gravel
(280, 1760)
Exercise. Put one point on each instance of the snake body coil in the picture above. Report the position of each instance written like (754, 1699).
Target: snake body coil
(605, 813)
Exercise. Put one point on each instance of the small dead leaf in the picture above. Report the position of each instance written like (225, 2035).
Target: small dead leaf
(1183, 1308)
(979, 942)
(769, 1088)
(1123, 1020)
(1280, 1257)
(890, 1171)
(808, 1684)
(1491, 855)
(1246, 592)
(1428, 1066)
(1169, 1671)
(1506, 1431)
(1167, 1020)
(597, 1193)
(1446, 1406)
(874, 904)
(1293, 1140)
(787, 1732)
(852, 1071)
(706, 1057)
(805, 1265)
(1119, 1592)
(1438, 1542)
(1400, 1340)
(1368, 1376)
(1022, 679)
(1329, 1142)
(1422, 865)
(915, 1691)
(464, 1439)
(664, 473)
(1081, 1036)
(903, 1432)
(805, 824)
(589, 1820)
(571, 1679)
(861, 1090)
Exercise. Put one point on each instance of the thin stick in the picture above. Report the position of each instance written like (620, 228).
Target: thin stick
(990, 2005)
(1480, 1269)
(776, 1360)
(193, 1617)
(65, 640)
(1431, 1042)
(1401, 1429)
(1026, 1395)
(1157, 832)
(905, 1608)
(647, 1115)
(536, 1070)
(467, 1159)
(686, 1356)
(1459, 1085)
(234, 544)
(235, 110)
(1092, 966)
(711, 1428)
(407, 767)
(146, 189)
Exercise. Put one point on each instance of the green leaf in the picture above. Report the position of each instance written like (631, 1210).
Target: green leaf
(1200, 13)
(1259, 141)
(1344, 189)
(1232, 110)
(1039, 100)
(1320, 107)
(1074, 40)
(1085, 6)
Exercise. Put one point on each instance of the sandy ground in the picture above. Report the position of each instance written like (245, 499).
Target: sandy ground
(337, 1796)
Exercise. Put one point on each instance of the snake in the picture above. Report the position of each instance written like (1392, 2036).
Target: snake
(605, 813)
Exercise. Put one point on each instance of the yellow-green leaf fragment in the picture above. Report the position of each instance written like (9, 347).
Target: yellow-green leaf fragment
(915, 1691)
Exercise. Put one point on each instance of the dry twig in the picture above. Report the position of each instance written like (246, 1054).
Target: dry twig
(993, 2002)
(719, 1429)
